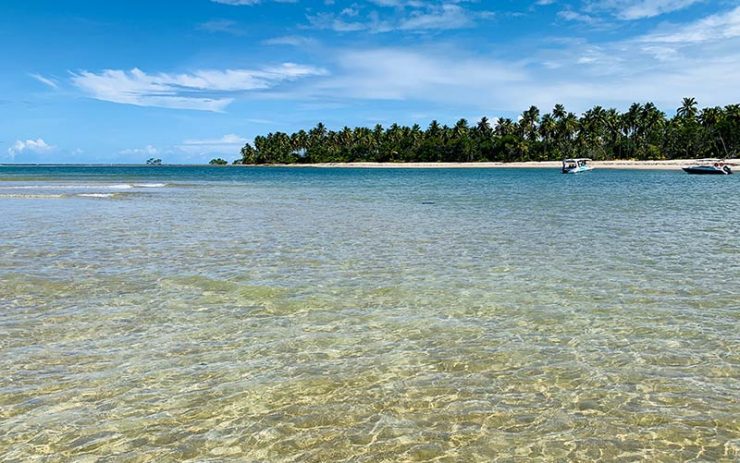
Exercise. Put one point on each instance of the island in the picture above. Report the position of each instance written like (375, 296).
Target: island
(642, 133)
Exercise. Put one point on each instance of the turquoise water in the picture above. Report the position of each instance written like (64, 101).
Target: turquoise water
(291, 314)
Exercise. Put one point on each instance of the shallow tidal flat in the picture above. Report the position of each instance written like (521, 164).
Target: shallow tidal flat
(284, 315)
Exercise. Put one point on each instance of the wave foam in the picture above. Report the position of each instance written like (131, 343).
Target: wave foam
(87, 186)
(96, 195)
(31, 196)
(150, 185)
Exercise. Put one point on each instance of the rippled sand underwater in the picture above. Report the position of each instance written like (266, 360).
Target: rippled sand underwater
(316, 315)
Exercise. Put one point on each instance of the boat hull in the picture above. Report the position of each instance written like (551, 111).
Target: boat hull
(577, 170)
(702, 170)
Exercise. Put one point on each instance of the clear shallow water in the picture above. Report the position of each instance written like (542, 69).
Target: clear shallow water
(237, 314)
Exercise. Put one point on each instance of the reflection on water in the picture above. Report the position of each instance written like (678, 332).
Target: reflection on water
(351, 315)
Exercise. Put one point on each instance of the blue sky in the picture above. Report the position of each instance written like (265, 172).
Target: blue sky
(122, 81)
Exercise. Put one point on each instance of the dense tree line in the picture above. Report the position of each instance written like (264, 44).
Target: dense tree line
(643, 132)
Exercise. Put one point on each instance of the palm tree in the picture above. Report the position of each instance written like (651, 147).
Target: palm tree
(547, 130)
(299, 143)
(558, 112)
(593, 134)
(528, 123)
(431, 145)
(712, 120)
(249, 154)
(505, 127)
(688, 108)
(687, 133)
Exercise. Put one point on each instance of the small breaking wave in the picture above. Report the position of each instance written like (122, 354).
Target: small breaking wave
(150, 185)
(31, 196)
(56, 196)
(97, 195)
(115, 186)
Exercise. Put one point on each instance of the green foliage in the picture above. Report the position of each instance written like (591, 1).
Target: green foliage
(642, 132)
(153, 162)
(218, 162)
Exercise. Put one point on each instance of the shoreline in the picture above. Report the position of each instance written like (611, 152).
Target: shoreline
(673, 164)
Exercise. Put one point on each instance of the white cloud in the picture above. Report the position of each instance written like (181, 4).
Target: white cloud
(696, 59)
(578, 73)
(221, 25)
(388, 3)
(721, 26)
(570, 15)
(138, 88)
(148, 150)
(190, 150)
(45, 80)
(349, 12)
(447, 16)
(402, 74)
(331, 21)
(405, 16)
(237, 2)
(206, 90)
(639, 9)
(33, 146)
(228, 144)
(248, 2)
(661, 53)
(650, 8)
(291, 40)
(260, 121)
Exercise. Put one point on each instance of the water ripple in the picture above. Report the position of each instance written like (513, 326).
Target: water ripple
(372, 316)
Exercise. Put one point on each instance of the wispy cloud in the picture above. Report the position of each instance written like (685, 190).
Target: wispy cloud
(260, 121)
(638, 9)
(148, 150)
(226, 26)
(698, 58)
(720, 26)
(336, 23)
(45, 80)
(248, 2)
(403, 16)
(189, 150)
(419, 74)
(570, 15)
(228, 144)
(32, 146)
(237, 2)
(205, 90)
(291, 41)
(447, 16)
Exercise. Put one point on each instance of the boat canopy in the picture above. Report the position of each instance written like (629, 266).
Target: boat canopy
(577, 159)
